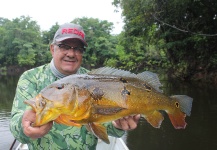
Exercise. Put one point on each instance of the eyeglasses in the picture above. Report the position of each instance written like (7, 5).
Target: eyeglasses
(65, 49)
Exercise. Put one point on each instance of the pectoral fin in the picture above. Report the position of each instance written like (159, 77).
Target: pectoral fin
(155, 119)
(99, 131)
(69, 122)
(107, 110)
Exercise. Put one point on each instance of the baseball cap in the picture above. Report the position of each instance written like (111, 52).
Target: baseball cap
(70, 31)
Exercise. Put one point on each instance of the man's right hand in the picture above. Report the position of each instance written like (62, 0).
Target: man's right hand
(34, 132)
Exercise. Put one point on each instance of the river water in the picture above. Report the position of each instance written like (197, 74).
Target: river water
(200, 133)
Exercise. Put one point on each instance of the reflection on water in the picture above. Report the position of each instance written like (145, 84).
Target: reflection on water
(6, 138)
(200, 133)
(7, 91)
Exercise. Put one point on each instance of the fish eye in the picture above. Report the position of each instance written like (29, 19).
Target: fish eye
(177, 104)
(60, 86)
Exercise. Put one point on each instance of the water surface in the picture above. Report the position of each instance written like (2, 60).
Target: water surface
(200, 133)
(7, 91)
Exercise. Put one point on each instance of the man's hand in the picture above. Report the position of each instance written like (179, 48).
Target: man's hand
(34, 132)
(127, 123)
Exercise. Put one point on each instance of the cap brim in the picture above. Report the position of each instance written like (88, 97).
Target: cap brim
(70, 37)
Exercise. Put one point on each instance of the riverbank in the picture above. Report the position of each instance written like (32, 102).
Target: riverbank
(207, 77)
(13, 70)
(200, 77)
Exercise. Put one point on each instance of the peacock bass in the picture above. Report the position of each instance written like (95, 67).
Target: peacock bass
(107, 94)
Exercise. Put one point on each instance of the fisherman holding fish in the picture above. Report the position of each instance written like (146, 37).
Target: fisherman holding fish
(67, 48)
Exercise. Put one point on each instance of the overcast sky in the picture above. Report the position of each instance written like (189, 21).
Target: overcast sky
(48, 12)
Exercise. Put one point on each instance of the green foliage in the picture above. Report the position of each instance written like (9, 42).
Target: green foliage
(23, 43)
(26, 55)
(47, 36)
(101, 44)
(3, 70)
(177, 35)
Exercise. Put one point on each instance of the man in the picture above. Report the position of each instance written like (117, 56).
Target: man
(66, 49)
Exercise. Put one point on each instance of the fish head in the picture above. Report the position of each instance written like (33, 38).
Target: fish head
(59, 92)
(52, 101)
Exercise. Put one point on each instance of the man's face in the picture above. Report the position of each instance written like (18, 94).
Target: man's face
(67, 61)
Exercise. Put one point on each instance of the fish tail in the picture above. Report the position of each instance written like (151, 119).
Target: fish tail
(178, 117)
(178, 120)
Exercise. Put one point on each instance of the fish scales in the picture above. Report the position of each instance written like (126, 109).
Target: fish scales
(107, 94)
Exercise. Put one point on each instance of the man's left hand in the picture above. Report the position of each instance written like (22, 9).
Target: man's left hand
(126, 123)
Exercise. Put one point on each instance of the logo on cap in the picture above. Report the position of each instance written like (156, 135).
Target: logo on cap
(73, 31)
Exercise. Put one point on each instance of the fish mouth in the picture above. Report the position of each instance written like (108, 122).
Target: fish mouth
(31, 103)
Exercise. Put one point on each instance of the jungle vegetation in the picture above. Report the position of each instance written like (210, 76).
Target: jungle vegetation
(179, 37)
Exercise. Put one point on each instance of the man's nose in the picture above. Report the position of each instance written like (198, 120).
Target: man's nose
(70, 52)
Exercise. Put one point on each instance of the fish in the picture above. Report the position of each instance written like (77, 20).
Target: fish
(106, 94)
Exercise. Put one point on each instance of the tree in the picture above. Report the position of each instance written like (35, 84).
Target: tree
(26, 55)
(101, 45)
(21, 42)
(185, 30)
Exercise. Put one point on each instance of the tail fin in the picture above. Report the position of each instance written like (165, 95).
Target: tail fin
(178, 117)
(178, 120)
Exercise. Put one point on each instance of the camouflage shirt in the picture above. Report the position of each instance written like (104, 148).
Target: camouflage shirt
(60, 136)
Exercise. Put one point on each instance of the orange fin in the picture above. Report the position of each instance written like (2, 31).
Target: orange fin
(61, 120)
(155, 119)
(99, 131)
(178, 120)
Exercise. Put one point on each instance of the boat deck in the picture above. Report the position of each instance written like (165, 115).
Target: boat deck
(115, 144)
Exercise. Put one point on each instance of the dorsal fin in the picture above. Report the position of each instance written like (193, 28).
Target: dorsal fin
(146, 76)
(151, 78)
(112, 71)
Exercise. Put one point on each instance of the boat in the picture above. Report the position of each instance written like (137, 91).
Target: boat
(115, 144)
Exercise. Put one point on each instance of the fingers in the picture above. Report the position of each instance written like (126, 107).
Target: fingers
(127, 123)
(34, 132)
(136, 118)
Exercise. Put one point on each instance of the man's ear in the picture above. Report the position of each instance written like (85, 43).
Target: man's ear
(52, 49)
